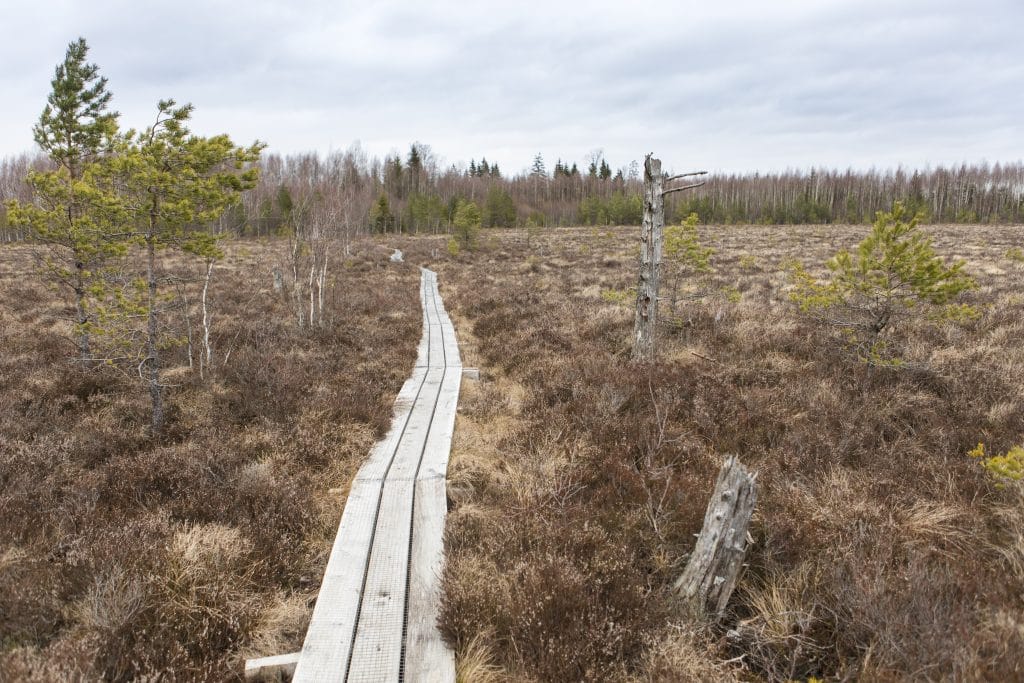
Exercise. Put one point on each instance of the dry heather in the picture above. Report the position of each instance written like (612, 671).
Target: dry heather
(882, 552)
(128, 558)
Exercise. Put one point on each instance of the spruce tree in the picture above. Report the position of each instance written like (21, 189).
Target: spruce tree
(415, 167)
(538, 170)
(380, 214)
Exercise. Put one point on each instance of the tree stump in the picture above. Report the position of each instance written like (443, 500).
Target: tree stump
(717, 559)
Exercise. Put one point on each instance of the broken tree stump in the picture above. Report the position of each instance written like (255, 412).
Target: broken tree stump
(651, 228)
(715, 564)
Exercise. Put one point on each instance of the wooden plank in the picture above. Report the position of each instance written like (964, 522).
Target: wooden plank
(377, 646)
(410, 449)
(383, 451)
(439, 442)
(325, 651)
(377, 650)
(423, 351)
(432, 304)
(427, 658)
(276, 668)
(381, 591)
(437, 350)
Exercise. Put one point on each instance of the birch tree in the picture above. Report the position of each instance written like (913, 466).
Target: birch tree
(319, 220)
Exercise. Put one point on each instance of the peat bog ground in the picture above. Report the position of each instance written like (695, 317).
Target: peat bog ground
(882, 551)
(124, 557)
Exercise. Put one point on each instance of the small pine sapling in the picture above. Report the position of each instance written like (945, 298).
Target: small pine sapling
(75, 216)
(683, 255)
(893, 275)
(1007, 468)
(467, 224)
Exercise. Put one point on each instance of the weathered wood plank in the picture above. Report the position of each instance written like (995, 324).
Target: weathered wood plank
(427, 658)
(439, 441)
(383, 451)
(325, 651)
(410, 449)
(267, 669)
(379, 597)
(377, 649)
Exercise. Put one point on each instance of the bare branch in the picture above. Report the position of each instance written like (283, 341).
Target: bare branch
(680, 189)
(685, 175)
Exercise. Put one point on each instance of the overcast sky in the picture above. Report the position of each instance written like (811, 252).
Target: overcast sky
(732, 85)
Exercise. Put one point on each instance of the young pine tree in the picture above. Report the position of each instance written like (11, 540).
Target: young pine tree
(894, 274)
(467, 224)
(75, 213)
(684, 255)
(175, 183)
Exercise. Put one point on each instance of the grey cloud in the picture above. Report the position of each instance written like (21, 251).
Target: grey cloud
(739, 85)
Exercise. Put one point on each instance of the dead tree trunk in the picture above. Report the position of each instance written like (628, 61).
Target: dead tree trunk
(650, 260)
(717, 559)
(651, 239)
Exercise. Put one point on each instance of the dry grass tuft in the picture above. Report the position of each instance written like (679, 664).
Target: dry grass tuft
(280, 626)
(475, 664)
(687, 653)
(113, 601)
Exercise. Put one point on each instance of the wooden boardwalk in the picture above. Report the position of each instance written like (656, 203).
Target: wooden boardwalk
(375, 617)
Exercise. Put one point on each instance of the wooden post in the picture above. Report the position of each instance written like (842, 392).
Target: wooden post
(650, 261)
(717, 559)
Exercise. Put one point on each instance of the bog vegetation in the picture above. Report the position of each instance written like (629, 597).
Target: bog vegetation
(886, 545)
(200, 342)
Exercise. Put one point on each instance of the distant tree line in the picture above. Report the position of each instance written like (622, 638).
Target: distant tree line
(414, 193)
(965, 194)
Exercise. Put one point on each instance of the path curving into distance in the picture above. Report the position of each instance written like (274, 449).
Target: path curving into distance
(376, 615)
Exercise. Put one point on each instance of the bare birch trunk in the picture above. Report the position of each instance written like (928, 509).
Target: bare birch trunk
(321, 281)
(190, 345)
(296, 287)
(207, 354)
(312, 299)
(715, 564)
(651, 229)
